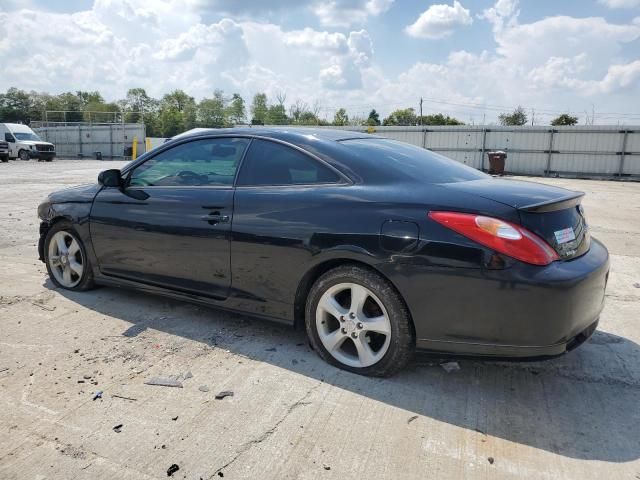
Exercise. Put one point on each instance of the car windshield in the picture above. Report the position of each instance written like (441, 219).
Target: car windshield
(26, 136)
(418, 163)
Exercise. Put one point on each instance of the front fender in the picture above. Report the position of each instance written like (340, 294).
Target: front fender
(72, 205)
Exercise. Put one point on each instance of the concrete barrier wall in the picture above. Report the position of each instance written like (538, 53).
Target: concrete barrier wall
(83, 140)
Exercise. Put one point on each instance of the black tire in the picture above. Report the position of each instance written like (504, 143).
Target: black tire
(86, 281)
(5, 159)
(402, 342)
(48, 159)
(23, 155)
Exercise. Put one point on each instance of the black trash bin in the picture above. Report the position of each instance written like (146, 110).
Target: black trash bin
(128, 151)
(98, 155)
(496, 162)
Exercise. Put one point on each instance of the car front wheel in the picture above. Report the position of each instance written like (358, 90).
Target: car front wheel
(66, 258)
(23, 155)
(357, 321)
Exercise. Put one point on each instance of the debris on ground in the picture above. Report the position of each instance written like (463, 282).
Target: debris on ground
(203, 388)
(44, 307)
(411, 419)
(637, 284)
(450, 366)
(187, 375)
(224, 393)
(174, 418)
(272, 349)
(118, 428)
(164, 382)
(125, 398)
(98, 395)
(491, 460)
(87, 377)
(326, 467)
(172, 469)
(4, 369)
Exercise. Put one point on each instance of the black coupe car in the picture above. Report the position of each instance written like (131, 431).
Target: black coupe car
(375, 246)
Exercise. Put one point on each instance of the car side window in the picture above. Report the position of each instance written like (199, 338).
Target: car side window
(206, 162)
(271, 163)
(8, 137)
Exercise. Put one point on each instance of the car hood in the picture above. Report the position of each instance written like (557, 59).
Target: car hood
(79, 194)
(514, 193)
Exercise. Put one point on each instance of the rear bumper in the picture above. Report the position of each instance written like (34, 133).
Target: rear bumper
(522, 311)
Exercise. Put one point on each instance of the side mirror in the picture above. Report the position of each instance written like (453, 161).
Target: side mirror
(110, 178)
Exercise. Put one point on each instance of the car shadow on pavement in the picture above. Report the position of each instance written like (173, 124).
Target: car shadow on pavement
(583, 405)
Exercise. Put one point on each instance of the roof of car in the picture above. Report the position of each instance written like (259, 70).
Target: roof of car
(283, 133)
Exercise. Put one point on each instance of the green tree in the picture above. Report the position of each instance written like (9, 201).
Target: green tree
(374, 118)
(98, 111)
(170, 122)
(341, 118)
(564, 119)
(236, 112)
(309, 118)
(87, 98)
(259, 109)
(439, 119)
(178, 100)
(515, 118)
(14, 106)
(277, 115)
(405, 116)
(211, 111)
(141, 108)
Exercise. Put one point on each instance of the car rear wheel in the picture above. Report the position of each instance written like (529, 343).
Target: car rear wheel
(23, 154)
(357, 321)
(66, 258)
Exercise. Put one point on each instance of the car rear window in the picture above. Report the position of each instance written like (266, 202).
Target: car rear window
(418, 163)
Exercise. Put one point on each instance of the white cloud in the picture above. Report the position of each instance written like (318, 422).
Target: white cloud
(344, 13)
(167, 44)
(440, 21)
(501, 13)
(620, 3)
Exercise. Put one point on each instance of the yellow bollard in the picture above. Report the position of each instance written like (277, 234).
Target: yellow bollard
(147, 143)
(134, 148)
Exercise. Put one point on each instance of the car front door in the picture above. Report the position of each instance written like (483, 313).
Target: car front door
(169, 225)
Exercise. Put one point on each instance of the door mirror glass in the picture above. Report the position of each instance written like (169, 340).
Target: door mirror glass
(110, 178)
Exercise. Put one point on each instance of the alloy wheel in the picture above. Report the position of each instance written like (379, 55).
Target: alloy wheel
(66, 259)
(353, 325)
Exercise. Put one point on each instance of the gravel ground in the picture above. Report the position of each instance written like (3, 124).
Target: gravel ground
(291, 415)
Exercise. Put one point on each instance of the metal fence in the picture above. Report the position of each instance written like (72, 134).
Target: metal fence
(607, 151)
(111, 140)
(594, 151)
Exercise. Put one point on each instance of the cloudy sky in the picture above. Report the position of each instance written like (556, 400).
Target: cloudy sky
(468, 58)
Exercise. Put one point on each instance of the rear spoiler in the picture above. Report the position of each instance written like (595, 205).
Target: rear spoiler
(568, 201)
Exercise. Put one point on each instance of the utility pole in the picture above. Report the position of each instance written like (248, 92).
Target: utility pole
(533, 116)
(420, 110)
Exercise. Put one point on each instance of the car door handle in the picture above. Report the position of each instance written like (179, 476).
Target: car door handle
(214, 218)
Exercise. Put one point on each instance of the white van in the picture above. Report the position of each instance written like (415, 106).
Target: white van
(25, 144)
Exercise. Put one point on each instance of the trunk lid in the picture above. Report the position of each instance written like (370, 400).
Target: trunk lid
(554, 214)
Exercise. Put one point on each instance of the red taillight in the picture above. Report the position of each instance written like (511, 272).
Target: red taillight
(501, 236)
